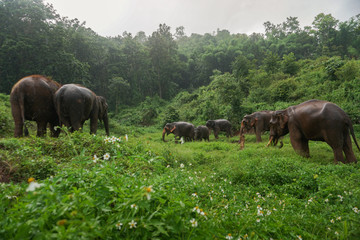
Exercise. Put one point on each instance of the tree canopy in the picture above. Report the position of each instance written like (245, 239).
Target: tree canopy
(257, 69)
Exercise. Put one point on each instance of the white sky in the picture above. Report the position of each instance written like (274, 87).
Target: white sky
(113, 17)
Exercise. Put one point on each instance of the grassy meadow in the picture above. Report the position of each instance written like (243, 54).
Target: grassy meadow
(94, 187)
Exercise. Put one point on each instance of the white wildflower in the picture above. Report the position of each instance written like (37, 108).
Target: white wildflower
(106, 156)
(33, 186)
(193, 222)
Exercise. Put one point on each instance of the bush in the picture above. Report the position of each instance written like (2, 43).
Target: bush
(6, 120)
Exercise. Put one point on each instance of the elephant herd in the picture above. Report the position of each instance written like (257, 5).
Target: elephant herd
(311, 120)
(190, 133)
(37, 98)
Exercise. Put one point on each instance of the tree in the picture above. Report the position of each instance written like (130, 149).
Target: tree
(163, 56)
(289, 64)
(325, 26)
(119, 91)
(271, 62)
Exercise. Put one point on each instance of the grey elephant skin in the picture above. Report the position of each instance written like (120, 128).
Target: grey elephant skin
(319, 121)
(179, 129)
(75, 104)
(219, 125)
(31, 99)
(260, 121)
(202, 132)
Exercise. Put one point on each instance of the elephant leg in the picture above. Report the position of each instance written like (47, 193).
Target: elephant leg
(347, 148)
(258, 134)
(18, 129)
(300, 144)
(19, 123)
(216, 133)
(55, 131)
(338, 154)
(337, 142)
(41, 128)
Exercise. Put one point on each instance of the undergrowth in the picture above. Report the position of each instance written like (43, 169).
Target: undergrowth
(134, 186)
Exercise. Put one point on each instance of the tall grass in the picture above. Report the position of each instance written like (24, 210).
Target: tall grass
(144, 188)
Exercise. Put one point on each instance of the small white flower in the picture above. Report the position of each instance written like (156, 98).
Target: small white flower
(356, 210)
(126, 137)
(132, 224)
(148, 190)
(332, 221)
(229, 237)
(33, 186)
(258, 220)
(341, 198)
(194, 195)
(337, 233)
(118, 225)
(134, 206)
(106, 156)
(182, 165)
(299, 237)
(95, 158)
(193, 222)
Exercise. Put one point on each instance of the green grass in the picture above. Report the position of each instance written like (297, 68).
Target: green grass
(256, 193)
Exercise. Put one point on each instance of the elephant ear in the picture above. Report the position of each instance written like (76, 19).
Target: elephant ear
(102, 106)
(253, 121)
(284, 118)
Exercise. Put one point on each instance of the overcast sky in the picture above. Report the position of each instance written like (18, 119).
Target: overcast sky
(113, 17)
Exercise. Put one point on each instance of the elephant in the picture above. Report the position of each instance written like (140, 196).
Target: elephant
(257, 120)
(219, 125)
(31, 99)
(202, 132)
(75, 104)
(179, 129)
(318, 121)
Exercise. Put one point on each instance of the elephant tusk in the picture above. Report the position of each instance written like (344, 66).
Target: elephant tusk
(173, 129)
(271, 138)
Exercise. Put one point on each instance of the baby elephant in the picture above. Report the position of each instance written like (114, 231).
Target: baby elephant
(202, 132)
(219, 125)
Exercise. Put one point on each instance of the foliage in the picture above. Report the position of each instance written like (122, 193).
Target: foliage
(95, 187)
(6, 121)
(126, 69)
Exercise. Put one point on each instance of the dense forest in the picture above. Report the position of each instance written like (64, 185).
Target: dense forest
(170, 75)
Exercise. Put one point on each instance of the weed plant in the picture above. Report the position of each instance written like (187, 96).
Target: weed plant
(134, 186)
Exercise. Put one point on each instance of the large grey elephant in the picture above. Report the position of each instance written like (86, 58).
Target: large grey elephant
(31, 99)
(319, 121)
(219, 125)
(179, 129)
(75, 104)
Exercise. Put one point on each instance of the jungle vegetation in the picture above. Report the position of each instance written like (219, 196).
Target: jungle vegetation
(172, 75)
(133, 185)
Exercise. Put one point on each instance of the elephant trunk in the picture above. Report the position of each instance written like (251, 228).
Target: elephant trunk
(163, 135)
(106, 124)
(242, 137)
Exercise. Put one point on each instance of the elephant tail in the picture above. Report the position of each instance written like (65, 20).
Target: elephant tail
(21, 102)
(353, 135)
